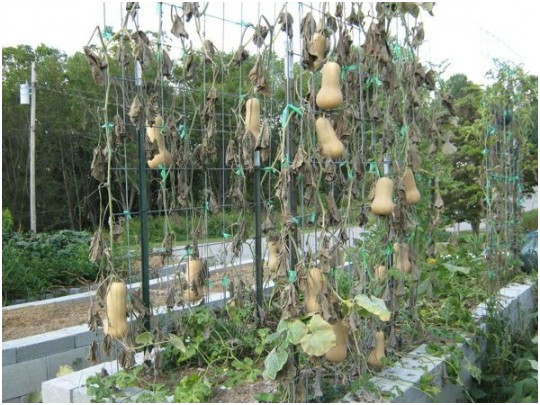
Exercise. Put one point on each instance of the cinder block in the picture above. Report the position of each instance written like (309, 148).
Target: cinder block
(37, 347)
(57, 391)
(12, 400)
(22, 378)
(75, 358)
(9, 356)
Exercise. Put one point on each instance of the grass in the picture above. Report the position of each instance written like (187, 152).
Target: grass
(530, 220)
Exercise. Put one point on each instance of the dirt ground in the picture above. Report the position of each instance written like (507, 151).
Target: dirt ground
(33, 320)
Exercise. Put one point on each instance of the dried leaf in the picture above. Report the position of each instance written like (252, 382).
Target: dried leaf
(99, 164)
(190, 10)
(135, 110)
(93, 353)
(98, 66)
(178, 29)
(286, 21)
(166, 64)
(261, 31)
(240, 55)
(209, 50)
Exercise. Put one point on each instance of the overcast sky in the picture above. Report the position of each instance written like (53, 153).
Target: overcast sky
(466, 34)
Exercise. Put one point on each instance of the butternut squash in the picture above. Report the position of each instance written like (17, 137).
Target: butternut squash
(338, 353)
(377, 353)
(274, 260)
(253, 120)
(163, 157)
(382, 202)
(317, 47)
(329, 96)
(331, 146)
(116, 323)
(412, 195)
(401, 256)
(380, 272)
(314, 285)
(195, 280)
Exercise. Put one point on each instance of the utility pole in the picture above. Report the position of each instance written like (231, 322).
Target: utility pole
(33, 149)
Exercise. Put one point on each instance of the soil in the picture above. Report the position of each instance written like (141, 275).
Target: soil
(33, 320)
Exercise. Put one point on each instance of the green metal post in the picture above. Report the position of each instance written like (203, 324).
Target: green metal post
(258, 236)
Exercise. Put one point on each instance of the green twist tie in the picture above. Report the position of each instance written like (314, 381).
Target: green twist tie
(285, 113)
(373, 80)
(485, 152)
(295, 220)
(226, 235)
(182, 131)
(404, 130)
(312, 217)
(374, 168)
(388, 251)
(127, 214)
(209, 283)
(347, 68)
(107, 33)
(206, 206)
(292, 276)
(239, 171)
(492, 130)
(270, 169)
(225, 282)
(163, 172)
(285, 163)
(107, 125)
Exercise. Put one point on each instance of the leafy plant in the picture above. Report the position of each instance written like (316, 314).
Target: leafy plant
(192, 388)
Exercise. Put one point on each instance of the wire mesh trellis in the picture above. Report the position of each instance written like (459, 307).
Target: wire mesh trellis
(191, 122)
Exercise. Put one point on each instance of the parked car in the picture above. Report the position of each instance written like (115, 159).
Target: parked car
(529, 252)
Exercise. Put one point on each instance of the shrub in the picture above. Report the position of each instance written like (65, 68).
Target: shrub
(34, 264)
(7, 220)
(530, 220)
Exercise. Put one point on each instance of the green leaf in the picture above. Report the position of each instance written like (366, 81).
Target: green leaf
(373, 305)
(320, 339)
(274, 362)
(297, 330)
(177, 342)
(454, 269)
(534, 364)
(144, 338)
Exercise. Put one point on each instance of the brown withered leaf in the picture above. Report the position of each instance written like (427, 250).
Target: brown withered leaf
(334, 217)
(240, 55)
(99, 164)
(171, 298)
(256, 77)
(339, 10)
(248, 147)
(107, 343)
(166, 64)
(178, 29)
(190, 10)
(119, 129)
(135, 111)
(94, 319)
(126, 358)
(97, 247)
(190, 67)
(231, 153)
(428, 6)
(331, 23)
(286, 21)
(414, 157)
(261, 31)
(98, 66)
(330, 171)
(209, 50)
(356, 17)
(308, 27)
(418, 35)
(142, 50)
(263, 141)
(93, 353)
(411, 8)
(268, 224)
(299, 160)
(212, 201)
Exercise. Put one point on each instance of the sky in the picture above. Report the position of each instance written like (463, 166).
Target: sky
(464, 34)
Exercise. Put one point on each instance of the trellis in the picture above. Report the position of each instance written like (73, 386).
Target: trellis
(388, 122)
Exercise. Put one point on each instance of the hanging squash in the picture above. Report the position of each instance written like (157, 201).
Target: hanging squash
(314, 285)
(401, 257)
(380, 272)
(338, 353)
(382, 202)
(253, 120)
(195, 280)
(412, 195)
(164, 157)
(331, 146)
(274, 255)
(317, 47)
(116, 300)
(377, 353)
(329, 96)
